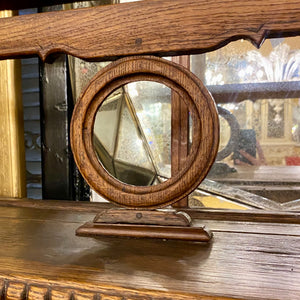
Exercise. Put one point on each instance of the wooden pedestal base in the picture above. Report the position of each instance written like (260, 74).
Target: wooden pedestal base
(145, 224)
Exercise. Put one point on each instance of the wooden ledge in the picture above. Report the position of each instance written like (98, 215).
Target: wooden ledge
(255, 215)
(40, 255)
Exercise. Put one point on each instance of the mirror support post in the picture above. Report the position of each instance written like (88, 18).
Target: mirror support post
(180, 130)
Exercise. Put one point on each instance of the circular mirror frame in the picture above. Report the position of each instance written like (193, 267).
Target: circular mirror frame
(205, 131)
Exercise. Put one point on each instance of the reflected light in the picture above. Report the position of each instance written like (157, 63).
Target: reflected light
(131, 89)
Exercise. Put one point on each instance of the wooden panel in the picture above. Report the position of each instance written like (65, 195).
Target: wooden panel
(61, 180)
(260, 261)
(55, 112)
(12, 156)
(56, 152)
(166, 27)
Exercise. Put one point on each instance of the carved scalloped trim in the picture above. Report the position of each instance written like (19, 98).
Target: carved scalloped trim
(143, 28)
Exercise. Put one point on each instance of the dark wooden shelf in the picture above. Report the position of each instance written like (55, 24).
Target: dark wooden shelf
(40, 256)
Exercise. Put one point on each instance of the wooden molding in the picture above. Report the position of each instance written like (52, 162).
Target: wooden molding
(12, 155)
(179, 233)
(169, 27)
(31, 289)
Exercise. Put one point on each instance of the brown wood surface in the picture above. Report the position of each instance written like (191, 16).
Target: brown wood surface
(166, 27)
(40, 257)
(254, 215)
(180, 130)
(17, 4)
(205, 129)
(165, 217)
(191, 233)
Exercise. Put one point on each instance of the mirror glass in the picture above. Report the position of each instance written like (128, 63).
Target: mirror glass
(132, 133)
(260, 90)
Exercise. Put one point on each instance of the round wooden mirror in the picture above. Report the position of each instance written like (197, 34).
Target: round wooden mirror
(205, 131)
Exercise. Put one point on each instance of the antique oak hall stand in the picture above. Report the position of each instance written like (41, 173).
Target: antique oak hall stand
(253, 254)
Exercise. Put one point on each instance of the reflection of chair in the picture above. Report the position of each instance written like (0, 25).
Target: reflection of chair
(292, 161)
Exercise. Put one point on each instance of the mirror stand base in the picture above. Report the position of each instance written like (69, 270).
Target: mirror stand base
(156, 224)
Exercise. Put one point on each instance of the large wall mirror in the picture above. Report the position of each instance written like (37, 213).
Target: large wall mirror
(260, 88)
(259, 153)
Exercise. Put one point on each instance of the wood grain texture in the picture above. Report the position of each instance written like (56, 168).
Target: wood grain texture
(87, 209)
(245, 215)
(15, 291)
(205, 131)
(83, 208)
(169, 27)
(180, 136)
(37, 291)
(42, 258)
(152, 217)
(191, 233)
(16, 4)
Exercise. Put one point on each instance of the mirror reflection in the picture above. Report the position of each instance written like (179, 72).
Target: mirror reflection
(132, 133)
(260, 89)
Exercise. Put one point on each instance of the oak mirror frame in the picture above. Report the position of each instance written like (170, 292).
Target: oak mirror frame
(205, 134)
